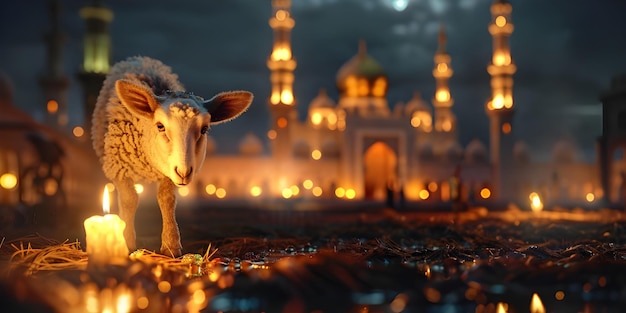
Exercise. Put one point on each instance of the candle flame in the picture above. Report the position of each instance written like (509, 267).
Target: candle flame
(536, 306)
(106, 207)
(502, 308)
(535, 202)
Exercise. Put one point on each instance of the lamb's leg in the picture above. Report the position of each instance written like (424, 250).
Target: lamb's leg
(128, 200)
(170, 236)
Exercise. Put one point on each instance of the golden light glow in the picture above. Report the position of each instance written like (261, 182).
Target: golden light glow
(8, 181)
(416, 121)
(281, 54)
(295, 191)
(316, 154)
(340, 192)
(500, 21)
(506, 128)
(590, 197)
(286, 97)
(446, 126)
(281, 122)
(378, 90)
(307, 184)
(220, 193)
(317, 191)
(255, 191)
(123, 302)
(271, 134)
(351, 86)
(183, 191)
(78, 131)
(363, 88)
(350, 193)
(508, 101)
(485, 193)
(424, 194)
(432, 186)
(281, 15)
(536, 306)
(535, 202)
(497, 102)
(110, 186)
(316, 118)
(332, 119)
(501, 58)
(275, 98)
(139, 188)
(442, 67)
(164, 286)
(502, 307)
(287, 193)
(442, 95)
(50, 186)
(210, 189)
(106, 202)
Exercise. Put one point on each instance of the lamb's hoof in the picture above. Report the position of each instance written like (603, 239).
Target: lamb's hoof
(172, 251)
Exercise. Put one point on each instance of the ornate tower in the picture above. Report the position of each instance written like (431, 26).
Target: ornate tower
(54, 82)
(500, 107)
(96, 55)
(282, 64)
(445, 121)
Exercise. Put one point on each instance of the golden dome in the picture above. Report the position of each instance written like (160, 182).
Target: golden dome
(362, 76)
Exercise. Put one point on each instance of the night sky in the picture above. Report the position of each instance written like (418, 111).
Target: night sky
(566, 52)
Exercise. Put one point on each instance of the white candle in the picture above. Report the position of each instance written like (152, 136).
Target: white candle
(105, 236)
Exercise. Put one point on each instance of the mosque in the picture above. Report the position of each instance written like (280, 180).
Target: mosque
(354, 148)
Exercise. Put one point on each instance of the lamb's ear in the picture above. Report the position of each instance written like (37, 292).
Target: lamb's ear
(228, 105)
(136, 97)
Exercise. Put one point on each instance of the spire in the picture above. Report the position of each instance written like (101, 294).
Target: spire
(442, 38)
(362, 48)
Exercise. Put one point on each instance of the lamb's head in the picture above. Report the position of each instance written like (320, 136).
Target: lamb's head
(174, 125)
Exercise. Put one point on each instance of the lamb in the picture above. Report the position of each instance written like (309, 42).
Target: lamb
(147, 128)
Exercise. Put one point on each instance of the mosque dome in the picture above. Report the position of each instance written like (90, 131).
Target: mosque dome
(250, 145)
(362, 76)
(476, 152)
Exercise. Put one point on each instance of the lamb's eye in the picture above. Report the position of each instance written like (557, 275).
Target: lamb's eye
(160, 127)
(204, 129)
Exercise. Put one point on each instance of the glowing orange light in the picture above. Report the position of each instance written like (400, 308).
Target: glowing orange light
(497, 102)
(432, 186)
(485, 193)
(220, 193)
(340, 192)
(506, 128)
(317, 191)
(559, 295)
(286, 97)
(255, 191)
(139, 188)
(281, 15)
(275, 98)
(446, 125)
(307, 184)
(52, 106)
(590, 197)
(8, 180)
(316, 118)
(210, 189)
(281, 122)
(350, 193)
(416, 121)
(502, 307)
(536, 306)
(183, 191)
(442, 67)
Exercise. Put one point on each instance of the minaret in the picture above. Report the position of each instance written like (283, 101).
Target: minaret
(500, 107)
(282, 64)
(445, 121)
(96, 55)
(54, 82)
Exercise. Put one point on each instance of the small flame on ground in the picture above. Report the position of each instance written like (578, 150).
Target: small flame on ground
(536, 306)
(535, 202)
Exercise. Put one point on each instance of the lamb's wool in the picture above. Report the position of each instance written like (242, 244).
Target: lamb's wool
(116, 133)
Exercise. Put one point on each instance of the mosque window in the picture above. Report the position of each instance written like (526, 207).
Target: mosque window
(380, 85)
(286, 97)
(442, 67)
(351, 86)
(501, 58)
(363, 88)
(442, 95)
(500, 21)
(281, 15)
(316, 118)
(275, 98)
(446, 126)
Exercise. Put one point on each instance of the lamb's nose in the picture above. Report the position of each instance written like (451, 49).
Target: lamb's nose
(182, 172)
